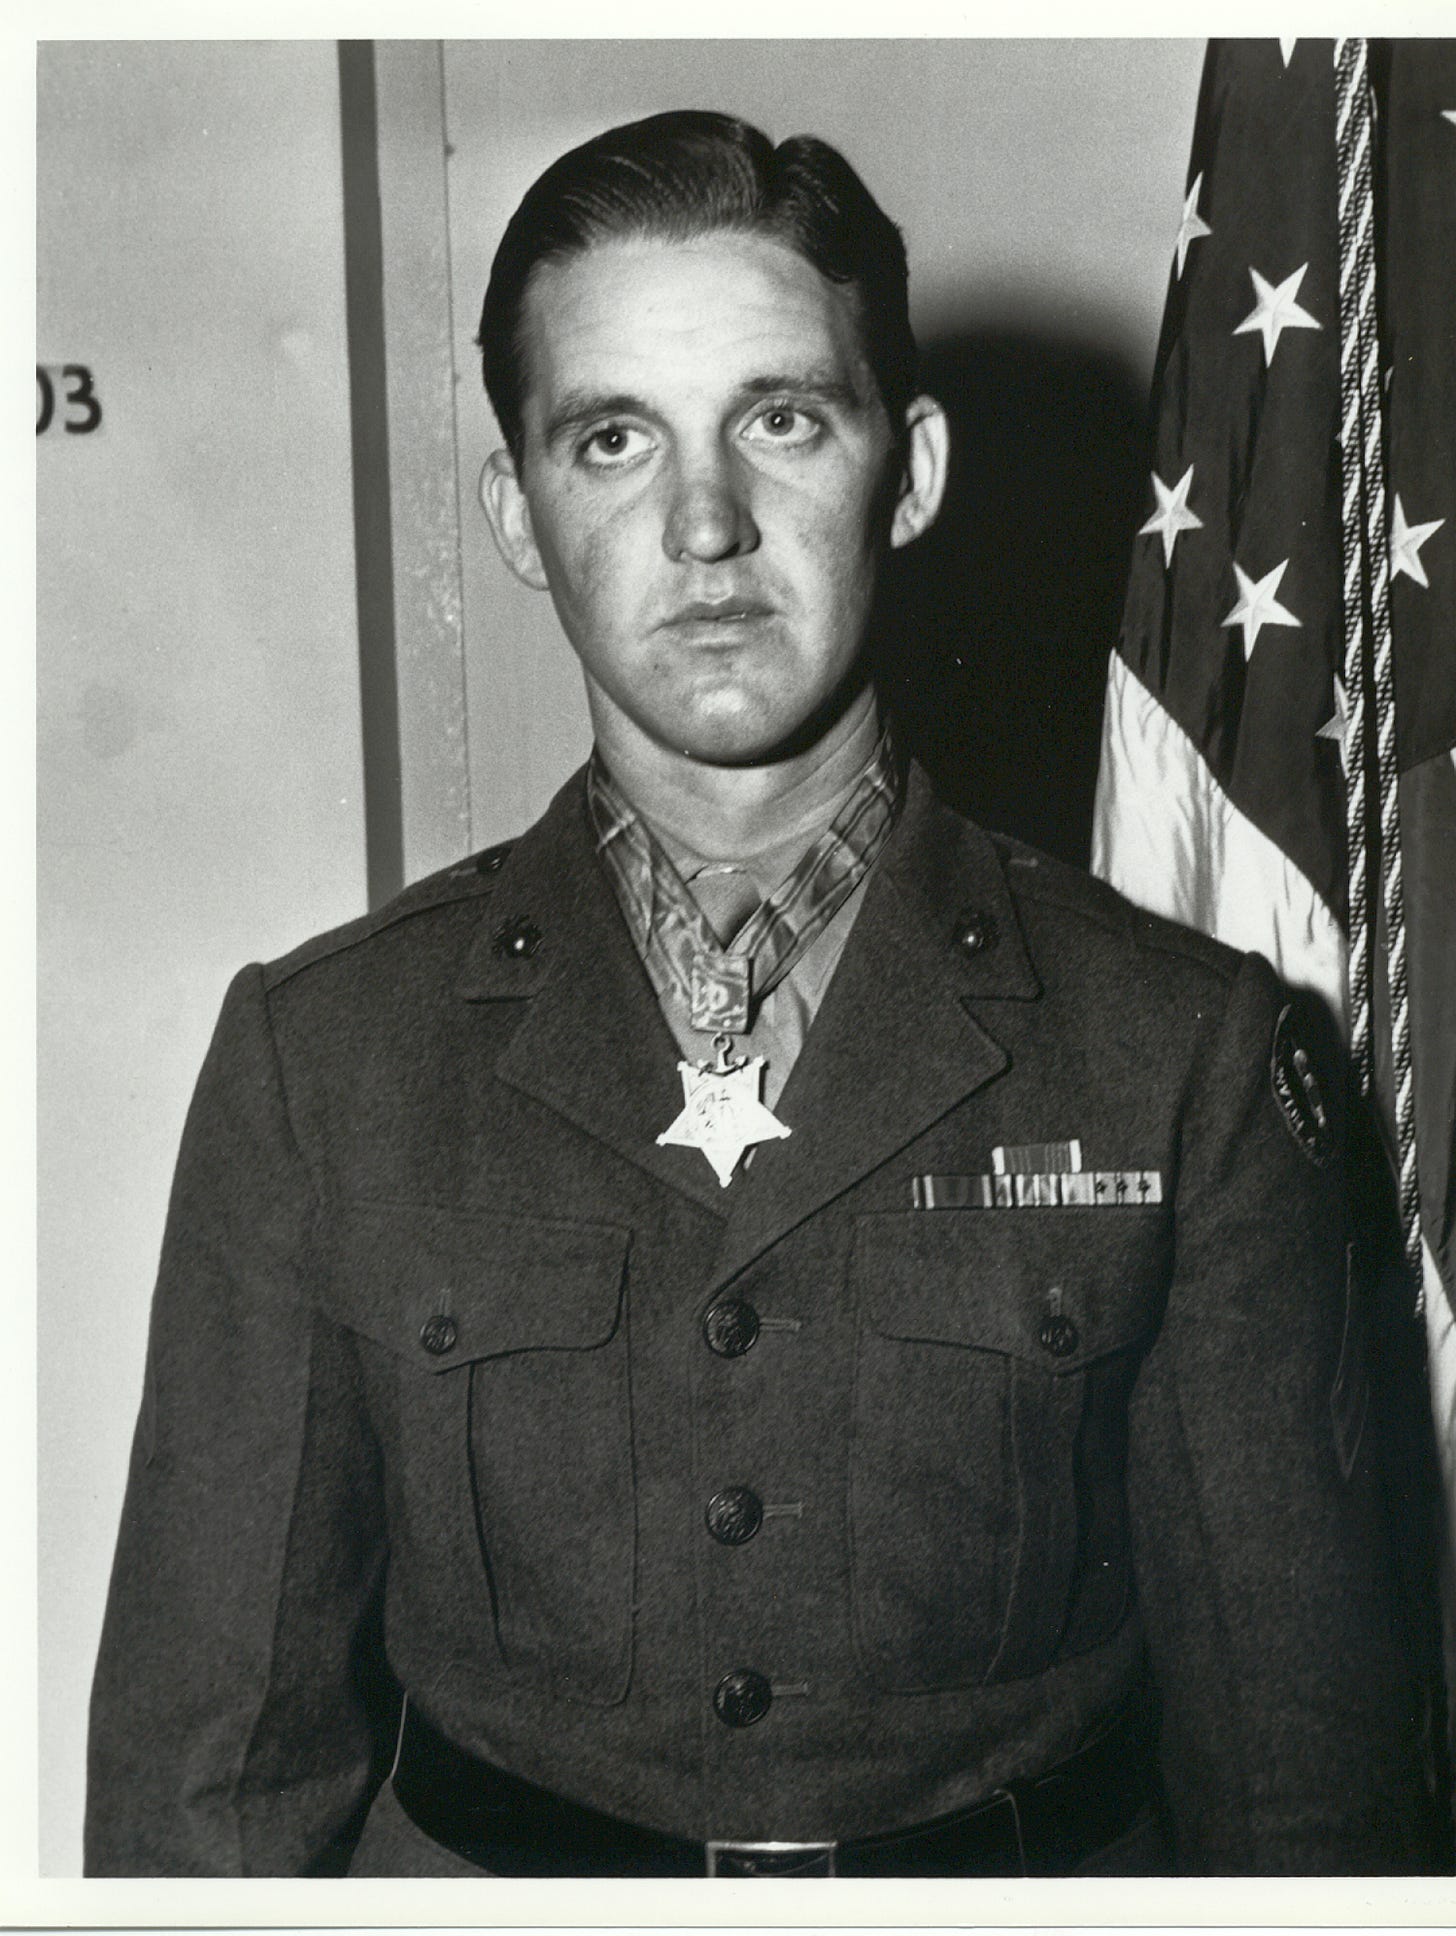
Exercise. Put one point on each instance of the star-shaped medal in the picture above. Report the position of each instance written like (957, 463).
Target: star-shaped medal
(722, 1114)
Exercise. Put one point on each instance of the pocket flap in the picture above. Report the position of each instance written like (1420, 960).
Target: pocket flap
(999, 1280)
(446, 1287)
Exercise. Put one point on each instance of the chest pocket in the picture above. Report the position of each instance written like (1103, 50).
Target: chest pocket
(995, 1352)
(500, 1386)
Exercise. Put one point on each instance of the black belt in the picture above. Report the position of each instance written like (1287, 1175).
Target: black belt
(1043, 1826)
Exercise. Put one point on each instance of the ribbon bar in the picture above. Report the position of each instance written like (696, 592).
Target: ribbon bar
(1047, 1190)
(1036, 1159)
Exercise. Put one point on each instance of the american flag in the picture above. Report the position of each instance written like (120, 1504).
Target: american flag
(1230, 730)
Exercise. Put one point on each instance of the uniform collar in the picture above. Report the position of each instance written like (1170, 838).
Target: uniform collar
(906, 1031)
(951, 877)
(946, 868)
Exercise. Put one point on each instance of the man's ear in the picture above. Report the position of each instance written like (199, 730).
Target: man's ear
(922, 482)
(505, 505)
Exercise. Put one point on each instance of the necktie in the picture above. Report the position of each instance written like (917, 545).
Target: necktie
(726, 895)
(684, 951)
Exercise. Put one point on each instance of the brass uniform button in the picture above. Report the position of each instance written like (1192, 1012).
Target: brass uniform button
(975, 931)
(439, 1335)
(741, 1698)
(1059, 1336)
(517, 940)
(731, 1327)
(734, 1515)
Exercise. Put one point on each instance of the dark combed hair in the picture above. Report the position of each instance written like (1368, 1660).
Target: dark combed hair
(677, 176)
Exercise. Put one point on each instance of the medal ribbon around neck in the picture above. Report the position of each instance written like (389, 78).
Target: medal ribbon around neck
(723, 987)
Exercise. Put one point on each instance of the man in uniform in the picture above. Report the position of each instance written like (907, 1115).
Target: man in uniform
(811, 1338)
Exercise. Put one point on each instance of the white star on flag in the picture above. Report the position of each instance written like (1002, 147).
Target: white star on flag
(1276, 310)
(1405, 545)
(1337, 726)
(1259, 606)
(1449, 114)
(1193, 224)
(1172, 516)
(1286, 48)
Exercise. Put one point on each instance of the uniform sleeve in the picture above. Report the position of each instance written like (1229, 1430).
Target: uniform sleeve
(1287, 1742)
(229, 1733)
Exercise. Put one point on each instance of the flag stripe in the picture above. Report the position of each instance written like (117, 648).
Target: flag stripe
(1347, 165)
(1167, 834)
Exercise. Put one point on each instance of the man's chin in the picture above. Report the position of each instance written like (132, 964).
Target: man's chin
(764, 737)
(740, 725)
(742, 743)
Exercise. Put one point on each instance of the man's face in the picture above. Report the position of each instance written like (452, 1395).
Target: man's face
(703, 488)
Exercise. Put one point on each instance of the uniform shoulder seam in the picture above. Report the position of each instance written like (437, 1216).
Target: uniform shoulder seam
(1040, 877)
(472, 879)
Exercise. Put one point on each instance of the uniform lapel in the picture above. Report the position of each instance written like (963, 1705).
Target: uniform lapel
(592, 1042)
(901, 1037)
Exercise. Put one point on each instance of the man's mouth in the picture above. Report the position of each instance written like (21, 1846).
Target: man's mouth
(719, 611)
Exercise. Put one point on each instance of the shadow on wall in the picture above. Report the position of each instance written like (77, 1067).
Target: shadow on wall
(1003, 615)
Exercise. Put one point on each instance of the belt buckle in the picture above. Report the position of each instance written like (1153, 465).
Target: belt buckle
(784, 1850)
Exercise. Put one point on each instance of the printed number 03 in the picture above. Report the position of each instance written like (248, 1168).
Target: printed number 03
(80, 396)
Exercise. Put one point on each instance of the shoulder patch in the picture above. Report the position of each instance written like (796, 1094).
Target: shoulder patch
(1297, 1092)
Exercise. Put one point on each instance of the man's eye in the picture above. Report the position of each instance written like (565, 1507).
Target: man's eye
(612, 444)
(784, 424)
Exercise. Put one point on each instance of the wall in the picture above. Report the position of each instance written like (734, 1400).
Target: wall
(199, 771)
(1039, 185)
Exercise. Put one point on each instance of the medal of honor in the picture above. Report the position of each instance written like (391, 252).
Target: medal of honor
(720, 986)
(723, 1113)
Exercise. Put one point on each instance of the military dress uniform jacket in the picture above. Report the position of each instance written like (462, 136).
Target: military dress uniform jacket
(440, 1325)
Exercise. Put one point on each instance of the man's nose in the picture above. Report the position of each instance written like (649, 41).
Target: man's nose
(709, 517)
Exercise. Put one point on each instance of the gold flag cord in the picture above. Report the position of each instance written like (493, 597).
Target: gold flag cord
(1369, 675)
